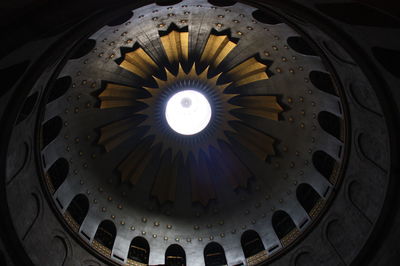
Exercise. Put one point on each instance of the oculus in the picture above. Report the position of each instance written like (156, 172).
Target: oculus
(188, 112)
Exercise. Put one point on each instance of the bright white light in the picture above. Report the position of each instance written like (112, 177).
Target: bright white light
(188, 112)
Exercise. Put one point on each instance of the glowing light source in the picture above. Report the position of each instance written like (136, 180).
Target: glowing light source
(188, 112)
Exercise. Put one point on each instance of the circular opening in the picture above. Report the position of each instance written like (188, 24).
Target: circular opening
(188, 112)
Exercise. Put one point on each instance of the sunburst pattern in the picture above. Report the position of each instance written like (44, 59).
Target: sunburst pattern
(207, 155)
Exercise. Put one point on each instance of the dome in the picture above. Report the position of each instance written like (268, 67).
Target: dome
(202, 132)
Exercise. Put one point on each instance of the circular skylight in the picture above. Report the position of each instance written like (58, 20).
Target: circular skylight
(188, 112)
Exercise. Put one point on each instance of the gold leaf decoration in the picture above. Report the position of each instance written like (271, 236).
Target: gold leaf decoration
(248, 72)
(259, 143)
(134, 165)
(114, 134)
(139, 63)
(201, 181)
(176, 46)
(208, 155)
(262, 106)
(116, 95)
(164, 186)
(216, 49)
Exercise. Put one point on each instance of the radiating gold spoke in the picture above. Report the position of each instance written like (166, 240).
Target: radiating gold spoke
(201, 180)
(139, 63)
(176, 46)
(196, 153)
(164, 187)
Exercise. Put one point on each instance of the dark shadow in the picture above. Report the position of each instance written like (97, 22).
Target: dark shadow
(251, 243)
(214, 255)
(139, 250)
(106, 233)
(282, 224)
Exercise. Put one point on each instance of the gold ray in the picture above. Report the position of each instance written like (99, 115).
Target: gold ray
(259, 113)
(150, 100)
(261, 106)
(153, 91)
(132, 168)
(164, 187)
(201, 182)
(216, 49)
(139, 63)
(259, 143)
(192, 73)
(173, 153)
(116, 95)
(203, 75)
(118, 132)
(181, 73)
(213, 80)
(163, 83)
(222, 88)
(248, 72)
(176, 46)
(231, 167)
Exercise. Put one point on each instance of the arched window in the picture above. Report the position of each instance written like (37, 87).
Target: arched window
(60, 87)
(77, 210)
(50, 130)
(57, 173)
(251, 243)
(282, 224)
(307, 196)
(175, 256)
(139, 250)
(214, 255)
(324, 163)
(105, 235)
(331, 124)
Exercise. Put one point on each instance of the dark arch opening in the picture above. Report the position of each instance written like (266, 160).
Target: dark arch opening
(83, 49)
(120, 20)
(2, 259)
(358, 14)
(10, 75)
(167, 2)
(282, 224)
(307, 196)
(323, 82)
(266, 18)
(28, 106)
(330, 123)
(175, 256)
(139, 250)
(214, 255)
(251, 243)
(222, 2)
(58, 172)
(389, 59)
(300, 45)
(78, 208)
(50, 130)
(324, 163)
(106, 233)
(60, 88)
